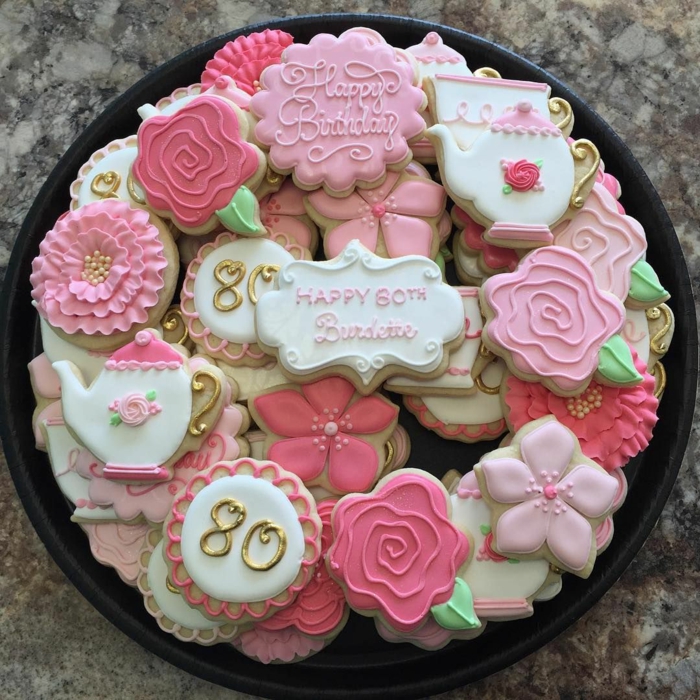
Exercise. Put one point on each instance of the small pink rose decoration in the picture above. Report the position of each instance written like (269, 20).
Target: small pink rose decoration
(134, 409)
(521, 176)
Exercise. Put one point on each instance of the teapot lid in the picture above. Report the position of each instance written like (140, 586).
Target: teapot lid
(525, 119)
(146, 351)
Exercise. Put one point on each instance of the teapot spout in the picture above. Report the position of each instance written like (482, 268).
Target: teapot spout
(73, 390)
(455, 169)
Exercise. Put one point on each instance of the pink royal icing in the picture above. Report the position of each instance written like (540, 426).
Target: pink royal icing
(433, 50)
(268, 646)
(191, 163)
(281, 212)
(551, 317)
(44, 378)
(134, 409)
(338, 110)
(118, 545)
(99, 270)
(321, 428)
(495, 257)
(397, 209)
(145, 352)
(551, 499)
(430, 635)
(396, 551)
(612, 424)
(521, 175)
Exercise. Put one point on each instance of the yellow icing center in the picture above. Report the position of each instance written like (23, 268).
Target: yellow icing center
(586, 402)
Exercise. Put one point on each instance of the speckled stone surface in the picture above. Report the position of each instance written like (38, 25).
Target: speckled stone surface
(637, 64)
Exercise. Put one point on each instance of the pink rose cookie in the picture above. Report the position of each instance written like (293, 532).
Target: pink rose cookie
(552, 324)
(118, 545)
(104, 272)
(147, 407)
(326, 432)
(338, 112)
(197, 168)
(399, 217)
(283, 646)
(222, 287)
(429, 636)
(164, 602)
(243, 539)
(546, 497)
(520, 178)
(396, 553)
(246, 57)
(612, 424)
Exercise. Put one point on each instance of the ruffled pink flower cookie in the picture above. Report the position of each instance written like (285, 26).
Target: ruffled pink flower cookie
(242, 540)
(338, 112)
(400, 217)
(546, 497)
(104, 272)
(612, 424)
(396, 554)
(551, 323)
(326, 433)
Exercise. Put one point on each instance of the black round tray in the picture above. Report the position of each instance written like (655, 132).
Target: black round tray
(358, 663)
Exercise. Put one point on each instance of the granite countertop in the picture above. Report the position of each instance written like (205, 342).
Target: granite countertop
(637, 64)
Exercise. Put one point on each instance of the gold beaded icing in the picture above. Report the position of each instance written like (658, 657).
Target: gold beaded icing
(96, 268)
(587, 402)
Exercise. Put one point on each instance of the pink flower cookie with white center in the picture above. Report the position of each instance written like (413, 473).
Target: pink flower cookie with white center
(197, 168)
(396, 553)
(243, 539)
(551, 323)
(104, 272)
(326, 433)
(612, 424)
(400, 217)
(338, 112)
(546, 497)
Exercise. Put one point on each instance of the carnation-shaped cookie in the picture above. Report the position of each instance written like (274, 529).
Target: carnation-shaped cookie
(547, 498)
(396, 553)
(326, 433)
(147, 407)
(551, 323)
(104, 272)
(243, 539)
(197, 168)
(285, 646)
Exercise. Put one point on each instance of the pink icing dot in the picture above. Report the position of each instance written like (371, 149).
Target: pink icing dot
(378, 210)
(143, 338)
(550, 491)
(432, 38)
(331, 428)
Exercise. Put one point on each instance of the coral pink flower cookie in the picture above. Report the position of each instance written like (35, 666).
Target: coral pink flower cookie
(277, 646)
(104, 272)
(396, 553)
(338, 111)
(551, 323)
(546, 497)
(400, 217)
(612, 424)
(326, 433)
(243, 539)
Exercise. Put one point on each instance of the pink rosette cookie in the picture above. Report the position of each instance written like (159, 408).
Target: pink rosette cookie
(338, 112)
(551, 323)
(326, 432)
(243, 539)
(396, 553)
(103, 273)
(245, 58)
(197, 168)
(224, 87)
(400, 217)
(612, 424)
(284, 646)
(546, 498)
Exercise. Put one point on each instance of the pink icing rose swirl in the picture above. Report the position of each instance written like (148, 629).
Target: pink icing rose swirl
(134, 409)
(91, 273)
(550, 317)
(191, 163)
(396, 551)
(521, 175)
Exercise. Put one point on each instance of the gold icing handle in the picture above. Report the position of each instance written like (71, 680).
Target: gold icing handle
(197, 426)
(582, 150)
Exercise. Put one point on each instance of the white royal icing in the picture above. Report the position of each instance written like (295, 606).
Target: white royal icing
(432, 57)
(468, 263)
(119, 162)
(399, 312)
(227, 577)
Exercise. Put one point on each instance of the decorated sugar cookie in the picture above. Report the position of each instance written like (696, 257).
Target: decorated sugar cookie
(396, 553)
(546, 497)
(104, 272)
(429, 636)
(164, 602)
(520, 178)
(338, 112)
(197, 168)
(243, 539)
(222, 287)
(326, 433)
(552, 324)
(148, 407)
(361, 316)
(399, 217)
(283, 646)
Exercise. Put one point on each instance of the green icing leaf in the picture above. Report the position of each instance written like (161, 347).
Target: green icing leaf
(514, 561)
(151, 395)
(240, 214)
(644, 284)
(440, 261)
(615, 362)
(539, 163)
(458, 612)
(485, 529)
(115, 419)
